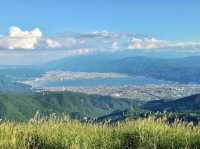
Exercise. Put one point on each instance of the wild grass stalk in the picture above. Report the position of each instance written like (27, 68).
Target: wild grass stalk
(64, 133)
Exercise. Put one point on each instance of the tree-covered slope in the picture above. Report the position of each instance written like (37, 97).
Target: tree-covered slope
(187, 104)
(23, 105)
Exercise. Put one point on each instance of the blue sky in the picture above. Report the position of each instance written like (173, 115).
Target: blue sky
(171, 19)
(70, 27)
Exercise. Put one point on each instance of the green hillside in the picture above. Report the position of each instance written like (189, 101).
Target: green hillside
(23, 105)
(186, 104)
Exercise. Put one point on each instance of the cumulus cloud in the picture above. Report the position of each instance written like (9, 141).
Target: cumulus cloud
(21, 39)
(146, 43)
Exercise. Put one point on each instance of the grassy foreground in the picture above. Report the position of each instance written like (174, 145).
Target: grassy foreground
(64, 133)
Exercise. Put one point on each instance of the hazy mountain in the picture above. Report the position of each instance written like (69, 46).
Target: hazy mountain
(182, 70)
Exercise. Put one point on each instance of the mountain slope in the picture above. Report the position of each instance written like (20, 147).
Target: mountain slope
(182, 70)
(186, 109)
(187, 104)
(22, 106)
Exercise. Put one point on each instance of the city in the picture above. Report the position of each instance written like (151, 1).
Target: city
(146, 92)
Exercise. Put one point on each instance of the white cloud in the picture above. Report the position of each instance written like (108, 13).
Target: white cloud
(100, 34)
(103, 33)
(94, 41)
(18, 39)
(146, 43)
(153, 43)
(17, 32)
(115, 45)
(69, 42)
(52, 43)
(186, 45)
(33, 39)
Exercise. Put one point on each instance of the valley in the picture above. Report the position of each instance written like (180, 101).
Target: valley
(111, 84)
(93, 87)
(99, 74)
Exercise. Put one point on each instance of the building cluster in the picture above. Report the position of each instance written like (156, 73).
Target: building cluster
(145, 92)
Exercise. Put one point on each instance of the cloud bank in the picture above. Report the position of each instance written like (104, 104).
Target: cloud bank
(153, 43)
(34, 39)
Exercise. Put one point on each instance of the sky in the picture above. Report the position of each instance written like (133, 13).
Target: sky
(171, 19)
(97, 25)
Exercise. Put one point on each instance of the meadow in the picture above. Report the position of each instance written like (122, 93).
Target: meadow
(64, 133)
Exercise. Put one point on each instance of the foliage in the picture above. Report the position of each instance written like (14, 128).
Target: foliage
(187, 105)
(23, 105)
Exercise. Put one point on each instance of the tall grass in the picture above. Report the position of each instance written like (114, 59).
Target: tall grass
(63, 133)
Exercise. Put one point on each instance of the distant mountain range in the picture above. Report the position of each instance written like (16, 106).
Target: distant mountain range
(183, 70)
